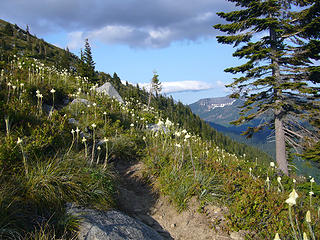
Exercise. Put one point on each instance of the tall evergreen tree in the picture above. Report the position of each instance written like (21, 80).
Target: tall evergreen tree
(86, 66)
(275, 80)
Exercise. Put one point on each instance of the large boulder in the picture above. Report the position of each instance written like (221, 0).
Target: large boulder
(109, 90)
(111, 225)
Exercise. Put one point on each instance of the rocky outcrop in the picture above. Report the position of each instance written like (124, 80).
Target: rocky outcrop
(80, 100)
(109, 90)
(111, 225)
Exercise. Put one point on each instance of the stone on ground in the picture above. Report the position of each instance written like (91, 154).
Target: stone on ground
(111, 225)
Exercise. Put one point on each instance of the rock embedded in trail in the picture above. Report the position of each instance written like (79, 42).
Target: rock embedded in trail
(111, 225)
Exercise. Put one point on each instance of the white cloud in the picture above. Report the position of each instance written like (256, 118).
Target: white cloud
(75, 40)
(221, 85)
(180, 86)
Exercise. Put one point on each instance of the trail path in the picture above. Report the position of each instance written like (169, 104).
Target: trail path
(138, 200)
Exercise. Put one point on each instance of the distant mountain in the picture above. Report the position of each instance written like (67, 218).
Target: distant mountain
(220, 111)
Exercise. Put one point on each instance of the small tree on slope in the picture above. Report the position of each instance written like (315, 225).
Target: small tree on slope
(275, 78)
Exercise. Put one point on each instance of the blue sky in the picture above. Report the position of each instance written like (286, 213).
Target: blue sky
(135, 37)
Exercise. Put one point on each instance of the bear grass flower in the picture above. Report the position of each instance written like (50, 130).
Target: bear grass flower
(308, 217)
(291, 201)
(276, 237)
(292, 198)
(308, 221)
(19, 142)
(84, 141)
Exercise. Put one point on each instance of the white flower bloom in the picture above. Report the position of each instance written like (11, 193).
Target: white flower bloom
(84, 139)
(268, 179)
(72, 131)
(272, 164)
(144, 138)
(99, 148)
(305, 236)
(294, 194)
(292, 198)
(93, 125)
(37, 92)
(131, 125)
(294, 181)
(312, 180)
(104, 113)
(178, 145)
(160, 123)
(77, 130)
(279, 179)
(105, 139)
(52, 90)
(311, 193)
(19, 140)
(184, 131)
(187, 136)
(277, 237)
(178, 134)
(168, 123)
(308, 217)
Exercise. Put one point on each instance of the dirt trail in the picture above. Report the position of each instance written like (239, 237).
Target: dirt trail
(137, 199)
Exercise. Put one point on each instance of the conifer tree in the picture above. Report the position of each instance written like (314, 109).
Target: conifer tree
(8, 29)
(275, 76)
(309, 25)
(86, 66)
(155, 86)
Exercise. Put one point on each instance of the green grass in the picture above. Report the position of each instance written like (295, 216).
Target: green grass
(51, 167)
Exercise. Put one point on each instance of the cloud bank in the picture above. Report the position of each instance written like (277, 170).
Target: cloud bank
(136, 23)
(180, 86)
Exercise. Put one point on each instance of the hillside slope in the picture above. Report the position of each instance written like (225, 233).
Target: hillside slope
(61, 142)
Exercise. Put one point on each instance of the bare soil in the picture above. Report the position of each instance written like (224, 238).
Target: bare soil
(137, 199)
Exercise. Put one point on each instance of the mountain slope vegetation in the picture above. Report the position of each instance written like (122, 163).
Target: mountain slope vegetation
(59, 140)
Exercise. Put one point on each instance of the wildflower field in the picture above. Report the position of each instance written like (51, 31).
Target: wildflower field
(59, 138)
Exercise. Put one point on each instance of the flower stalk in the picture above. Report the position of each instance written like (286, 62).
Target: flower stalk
(19, 142)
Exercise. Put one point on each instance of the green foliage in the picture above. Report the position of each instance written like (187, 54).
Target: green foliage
(47, 162)
(276, 75)
(86, 64)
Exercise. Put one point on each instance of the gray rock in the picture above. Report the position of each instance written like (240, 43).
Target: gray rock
(111, 225)
(109, 90)
(157, 128)
(73, 121)
(80, 100)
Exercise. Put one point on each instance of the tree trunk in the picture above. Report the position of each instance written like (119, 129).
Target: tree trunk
(150, 94)
(278, 112)
(280, 146)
